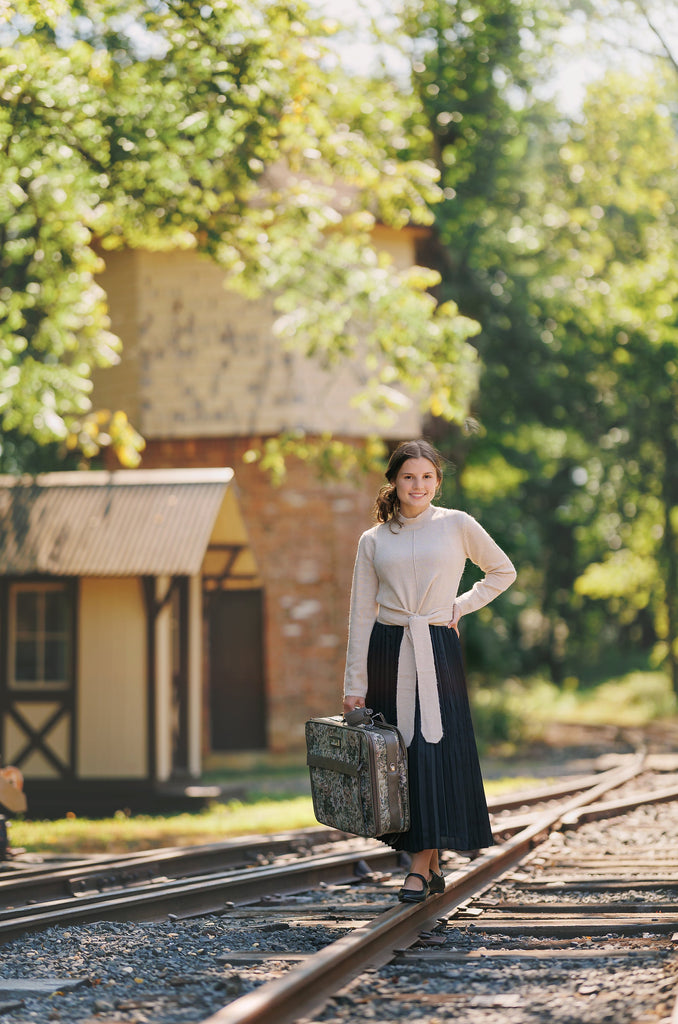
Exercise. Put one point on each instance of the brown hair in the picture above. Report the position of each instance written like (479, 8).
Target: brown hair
(387, 507)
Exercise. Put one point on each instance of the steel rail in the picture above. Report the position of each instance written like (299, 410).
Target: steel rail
(108, 869)
(306, 987)
(195, 895)
(611, 808)
(591, 812)
(538, 794)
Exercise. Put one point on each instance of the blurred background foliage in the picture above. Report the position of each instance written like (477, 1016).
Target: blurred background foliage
(542, 340)
(559, 236)
(218, 128)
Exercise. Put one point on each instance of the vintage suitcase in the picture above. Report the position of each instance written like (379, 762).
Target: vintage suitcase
(358, 773)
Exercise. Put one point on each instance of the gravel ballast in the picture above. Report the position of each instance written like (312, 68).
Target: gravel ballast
(178, 971)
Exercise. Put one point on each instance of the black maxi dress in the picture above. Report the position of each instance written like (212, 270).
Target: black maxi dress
(447, 799)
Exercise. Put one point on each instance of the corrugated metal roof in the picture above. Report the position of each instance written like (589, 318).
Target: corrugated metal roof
(126, 523)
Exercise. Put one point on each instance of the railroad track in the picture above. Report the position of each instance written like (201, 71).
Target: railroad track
(309, 984)
(181, 882)
(531, 904)
(148, 885)
(30, 878)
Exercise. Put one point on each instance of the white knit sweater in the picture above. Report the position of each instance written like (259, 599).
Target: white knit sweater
(409, 576)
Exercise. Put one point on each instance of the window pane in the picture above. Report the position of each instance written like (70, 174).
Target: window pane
(41, 639)
(57, 608)
(26, 611)
(25, 661)
(55, 661)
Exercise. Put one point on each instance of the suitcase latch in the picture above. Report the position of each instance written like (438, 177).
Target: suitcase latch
(335, 741)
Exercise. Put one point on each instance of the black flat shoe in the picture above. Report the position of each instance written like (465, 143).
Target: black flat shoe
(413, 895)
(436, 883)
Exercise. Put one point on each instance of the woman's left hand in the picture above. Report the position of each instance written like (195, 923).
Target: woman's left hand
(454, 622)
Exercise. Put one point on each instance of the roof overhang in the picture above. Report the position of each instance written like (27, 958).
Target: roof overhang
(123, 523)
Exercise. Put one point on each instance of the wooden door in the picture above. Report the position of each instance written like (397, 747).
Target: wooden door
(237, 697)
(179, 700)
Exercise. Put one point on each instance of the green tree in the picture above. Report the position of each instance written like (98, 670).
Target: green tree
(618, 181)
(124, 124)
(476, 71)
(580, 444)
(557, 234)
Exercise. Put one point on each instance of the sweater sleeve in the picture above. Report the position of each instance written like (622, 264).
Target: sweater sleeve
(362, 615)
(497, 567)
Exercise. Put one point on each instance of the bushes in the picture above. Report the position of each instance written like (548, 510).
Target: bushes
(516, 712)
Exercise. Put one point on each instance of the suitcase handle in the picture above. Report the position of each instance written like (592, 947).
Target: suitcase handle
(364, 716)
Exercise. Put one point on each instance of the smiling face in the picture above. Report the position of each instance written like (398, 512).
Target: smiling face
(416, 485)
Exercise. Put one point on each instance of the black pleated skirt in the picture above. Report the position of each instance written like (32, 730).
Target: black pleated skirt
(447, 799)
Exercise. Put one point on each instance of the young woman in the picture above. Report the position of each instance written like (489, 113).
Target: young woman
(404, 656)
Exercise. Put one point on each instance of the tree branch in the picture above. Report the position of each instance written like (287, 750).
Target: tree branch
(642, 7)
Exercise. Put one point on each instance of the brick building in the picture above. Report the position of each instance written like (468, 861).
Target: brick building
(204, 379)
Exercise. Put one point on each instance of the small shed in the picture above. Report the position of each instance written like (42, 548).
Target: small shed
(105, 643)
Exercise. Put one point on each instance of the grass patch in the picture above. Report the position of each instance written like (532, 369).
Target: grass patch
(517, 712)
(127, 834)
(121, 833)
(635, 699)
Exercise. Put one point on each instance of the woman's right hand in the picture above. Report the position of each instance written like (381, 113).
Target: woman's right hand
(351, 702)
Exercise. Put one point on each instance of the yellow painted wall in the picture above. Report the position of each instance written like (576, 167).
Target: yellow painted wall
(400, 245)
(119, 387)
(201, 361)
(112, 729)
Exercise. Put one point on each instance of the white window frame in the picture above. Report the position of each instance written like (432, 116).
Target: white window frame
(40, 685)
